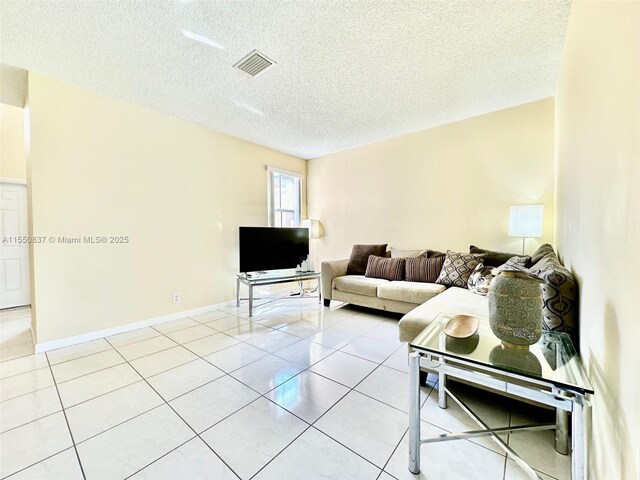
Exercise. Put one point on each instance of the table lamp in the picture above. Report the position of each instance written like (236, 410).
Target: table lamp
(525, 221)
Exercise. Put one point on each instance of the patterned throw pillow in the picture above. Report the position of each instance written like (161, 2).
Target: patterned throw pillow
(560, 295)
(457, 268)
(383, 267)
(480, 279)
(423, 269)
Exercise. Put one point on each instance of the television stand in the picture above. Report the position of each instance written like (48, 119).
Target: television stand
(272, 278)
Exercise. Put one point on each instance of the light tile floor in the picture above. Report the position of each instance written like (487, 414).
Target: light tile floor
(297, 392)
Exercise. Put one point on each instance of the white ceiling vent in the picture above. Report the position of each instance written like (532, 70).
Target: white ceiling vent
(254, 64)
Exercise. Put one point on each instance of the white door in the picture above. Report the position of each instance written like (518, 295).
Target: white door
(15, 288)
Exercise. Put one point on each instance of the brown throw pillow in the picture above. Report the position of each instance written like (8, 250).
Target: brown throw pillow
(423, 269)
(495, 259)
(360, 256)
(457, 268)
(383, 267)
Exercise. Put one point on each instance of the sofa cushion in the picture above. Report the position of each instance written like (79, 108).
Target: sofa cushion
(454, 300)
(358, 284)
(360, 256)
(383, 267)
(412, 292)
(495, 259)
(397, 253)
(423, 269)
(457, 268)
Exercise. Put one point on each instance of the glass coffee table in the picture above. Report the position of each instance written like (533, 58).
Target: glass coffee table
(549, 372)
(273, 278)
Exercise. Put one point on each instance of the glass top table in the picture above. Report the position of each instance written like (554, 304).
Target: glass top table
(272, 278)
(549, 372)
(553, 358)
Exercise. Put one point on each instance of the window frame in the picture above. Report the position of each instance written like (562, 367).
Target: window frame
(297, 211)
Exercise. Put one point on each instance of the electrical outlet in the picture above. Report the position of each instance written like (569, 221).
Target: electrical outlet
(176, 297)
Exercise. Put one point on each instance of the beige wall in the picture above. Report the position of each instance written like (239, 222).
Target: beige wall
(99, 166)
(441, 188)
(598, 217)
(12, 148)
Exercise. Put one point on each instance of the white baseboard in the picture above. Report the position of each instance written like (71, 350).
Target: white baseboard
(107, 332)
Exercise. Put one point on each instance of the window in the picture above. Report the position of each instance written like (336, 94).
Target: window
(284, 198)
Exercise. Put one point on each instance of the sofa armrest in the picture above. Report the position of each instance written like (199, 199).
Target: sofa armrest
(331, 270)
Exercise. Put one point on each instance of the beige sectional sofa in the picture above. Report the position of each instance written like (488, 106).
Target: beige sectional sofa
(393, 296)
(421, 302)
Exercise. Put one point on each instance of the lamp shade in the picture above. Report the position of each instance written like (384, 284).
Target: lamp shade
(313, 226)
(526, 221)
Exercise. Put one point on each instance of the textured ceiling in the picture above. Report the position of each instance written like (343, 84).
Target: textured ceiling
(347, 72)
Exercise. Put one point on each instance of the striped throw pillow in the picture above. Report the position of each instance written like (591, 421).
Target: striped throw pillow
(423, 269)
(387, 268)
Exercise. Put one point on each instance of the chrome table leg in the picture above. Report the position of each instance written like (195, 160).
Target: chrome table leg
(578, 440)
(442, 388)
(414, 413)
(562, 431)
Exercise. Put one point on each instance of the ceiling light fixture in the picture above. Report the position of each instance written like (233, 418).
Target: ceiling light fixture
(201, 38)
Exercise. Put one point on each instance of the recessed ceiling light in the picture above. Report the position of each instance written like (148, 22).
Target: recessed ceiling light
(201, 38)
(249, 108)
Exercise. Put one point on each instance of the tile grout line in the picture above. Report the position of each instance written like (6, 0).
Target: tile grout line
(162, 456)
(180, 417)
(351, 389)
(112, 347)
(307, 427)
(115, 347)
(27, 393)
(304, 369)
(75, 448)
(506, 457)
(31, 421)
(310, 425)
(36, 463)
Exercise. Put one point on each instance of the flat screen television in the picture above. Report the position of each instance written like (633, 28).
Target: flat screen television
(272, 248)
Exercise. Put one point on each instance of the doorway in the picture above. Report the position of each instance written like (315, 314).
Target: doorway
(15, 285)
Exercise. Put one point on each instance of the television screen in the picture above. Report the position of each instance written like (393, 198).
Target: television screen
(267, 248)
